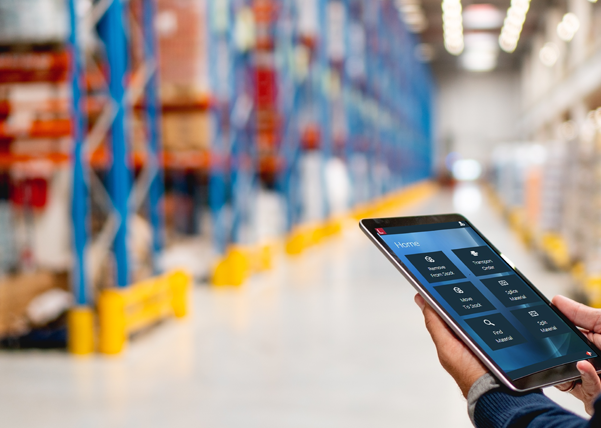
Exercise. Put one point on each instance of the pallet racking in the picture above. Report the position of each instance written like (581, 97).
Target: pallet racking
(110, 18)
(548, 186)
(124, 196)
(312, 101)
(292, 85)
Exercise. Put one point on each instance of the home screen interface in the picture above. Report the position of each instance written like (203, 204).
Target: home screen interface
(509, 321)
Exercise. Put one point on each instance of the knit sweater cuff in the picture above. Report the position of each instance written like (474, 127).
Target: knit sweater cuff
(502, 407)
(484, 384)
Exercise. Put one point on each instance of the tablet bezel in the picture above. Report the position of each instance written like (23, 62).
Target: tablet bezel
(548, 377)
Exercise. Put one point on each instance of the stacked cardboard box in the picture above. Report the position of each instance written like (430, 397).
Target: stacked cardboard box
(183, 52)
(181, 27)
(183, 131)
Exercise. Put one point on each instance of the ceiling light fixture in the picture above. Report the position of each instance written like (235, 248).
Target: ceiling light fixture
(452, 26)
(481, 52)
(412, 14)
(567, 28)
(549, 54)
(478, 61)
(513, 24)
(482, 17)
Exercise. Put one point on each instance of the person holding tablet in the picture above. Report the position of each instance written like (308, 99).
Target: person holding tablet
(499, 337)
(524, 340)
(491, 404)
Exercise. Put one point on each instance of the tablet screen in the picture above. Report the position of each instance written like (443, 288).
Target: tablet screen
(484, 295)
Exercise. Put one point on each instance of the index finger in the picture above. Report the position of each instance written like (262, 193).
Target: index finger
(581, 315)
(438, 329)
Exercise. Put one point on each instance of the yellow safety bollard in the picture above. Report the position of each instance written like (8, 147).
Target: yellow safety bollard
(112, 322)
(180, 284)
(333, 227)
(220, 275)
(592, 288)
(265, 258)
(239, 265)
(296, 242)
(233, 269)
(80, 330)
(314, 235)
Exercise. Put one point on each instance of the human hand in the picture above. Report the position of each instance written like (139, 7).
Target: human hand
(588, 319)
(453, 355)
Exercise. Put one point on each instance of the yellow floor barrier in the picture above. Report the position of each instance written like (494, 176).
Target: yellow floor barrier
(556, 249)
(299, 240)
(519, 225)
(122, 312)
(239, 262)
(395, 201)
(592, 289)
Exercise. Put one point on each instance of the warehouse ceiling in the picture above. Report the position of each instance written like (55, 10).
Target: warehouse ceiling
(482, 26)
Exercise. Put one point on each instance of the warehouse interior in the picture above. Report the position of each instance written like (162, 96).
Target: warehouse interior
(181, 183)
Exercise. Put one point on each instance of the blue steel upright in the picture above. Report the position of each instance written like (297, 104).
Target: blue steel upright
(156, 190)
(324, 101)
(112, 30)
(219, 72)
(241, 180)
(294, 89)
(79, 204)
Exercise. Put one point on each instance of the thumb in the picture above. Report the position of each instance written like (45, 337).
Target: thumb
(590, 380)
(591, 384)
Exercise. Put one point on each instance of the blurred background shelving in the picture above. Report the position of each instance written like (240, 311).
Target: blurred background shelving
(548, 183)
(142, 136)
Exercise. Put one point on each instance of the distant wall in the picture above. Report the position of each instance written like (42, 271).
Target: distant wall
(476, 111)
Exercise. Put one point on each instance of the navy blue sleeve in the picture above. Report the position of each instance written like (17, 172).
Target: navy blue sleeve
(503, 408)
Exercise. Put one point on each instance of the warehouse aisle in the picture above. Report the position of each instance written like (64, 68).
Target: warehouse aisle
(330, 339)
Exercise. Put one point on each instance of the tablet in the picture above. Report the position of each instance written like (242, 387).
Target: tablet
(510, 325)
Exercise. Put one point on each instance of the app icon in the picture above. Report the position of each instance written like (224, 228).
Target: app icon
(487, 322)
(461, 223)
(482, 261)
(503, 283)
(458, 290)
(533, 314)
(380, 231)
(430, 259)
(589, 353)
